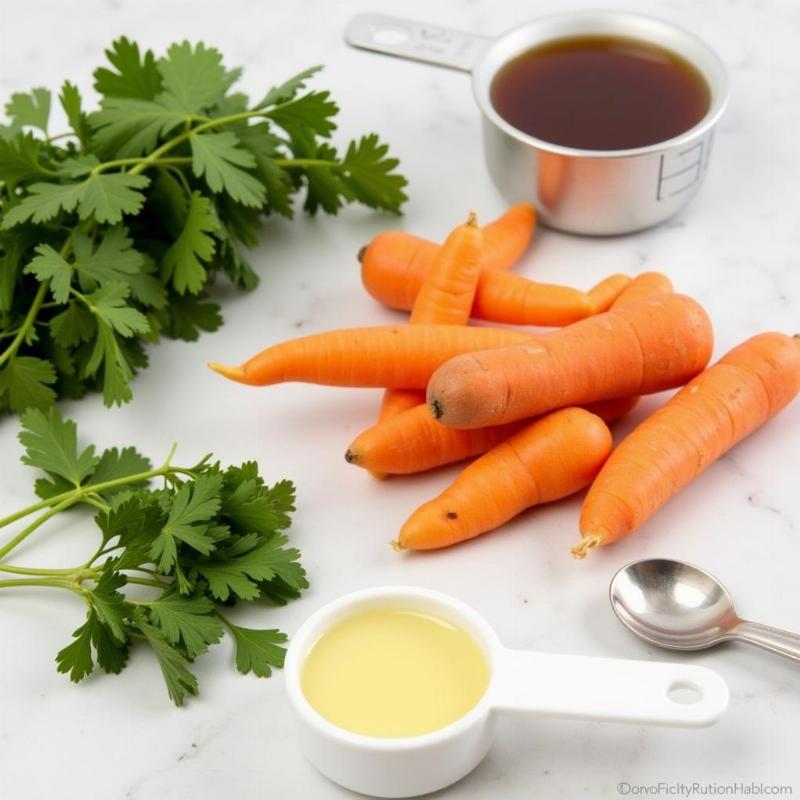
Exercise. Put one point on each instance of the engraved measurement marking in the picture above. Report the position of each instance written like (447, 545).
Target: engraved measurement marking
(664, 189)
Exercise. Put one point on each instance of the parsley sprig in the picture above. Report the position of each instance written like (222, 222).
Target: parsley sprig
(112, 232)
(203, 540)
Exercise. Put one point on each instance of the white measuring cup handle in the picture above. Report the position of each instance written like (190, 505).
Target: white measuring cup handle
(416, 41)
(611, 689)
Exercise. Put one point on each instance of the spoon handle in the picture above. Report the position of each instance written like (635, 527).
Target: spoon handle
(773, 639)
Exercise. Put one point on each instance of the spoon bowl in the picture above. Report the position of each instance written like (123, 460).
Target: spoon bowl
(672, 604)
(682, 607)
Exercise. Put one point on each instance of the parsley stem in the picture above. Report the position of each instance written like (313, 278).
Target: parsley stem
(37, 571)
(52, 582)
(287, 163)
(125, 162)
(38, 299)
(39, 521)
(33, 311)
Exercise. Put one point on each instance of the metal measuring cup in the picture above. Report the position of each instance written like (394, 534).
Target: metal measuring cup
(574, 190)
(545, 684)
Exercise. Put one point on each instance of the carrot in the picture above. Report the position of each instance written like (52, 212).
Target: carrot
(641, 287)
(719, 408)
(395, 259)
(500, 296)
(550, 458)
(604, 294)
(413, 441)
(445, 298)
(514, 300)
(396, 356)
(646, 347)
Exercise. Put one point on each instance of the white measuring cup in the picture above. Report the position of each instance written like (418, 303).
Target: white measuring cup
(522, 681)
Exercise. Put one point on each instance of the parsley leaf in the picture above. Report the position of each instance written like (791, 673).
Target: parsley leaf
(70, 99)
(257, 651)
(188, 545)
(51, 444)
(136, 75)
(174, 666)
(219, 159)
(194, 78)
(51, 266)
(25, 383)
(186, 621)
(190, 514)
(182, 264)
(162, 188)
(30, 109)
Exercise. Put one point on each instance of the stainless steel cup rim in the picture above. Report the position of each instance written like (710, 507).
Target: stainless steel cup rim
(542, 29)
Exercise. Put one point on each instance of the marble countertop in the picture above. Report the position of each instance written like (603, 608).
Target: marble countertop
(736, 248)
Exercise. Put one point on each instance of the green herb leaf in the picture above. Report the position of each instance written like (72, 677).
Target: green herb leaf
(51, 444)
(136, 75)
(50, 265)
(190, 514)
(218, 158)
(25, 383)
(114, 258)
(174, 667)
(370, 175)
(70, 99)
(186, 621)
(194, 78)
(311, 112)
(182, 264)
(20, 160)
(239, 576)
(189, 315)
(30, 109)
(288, 89)
(258, 651)
(73, 326)
(76, 657)
(127, 127)
(109, 195)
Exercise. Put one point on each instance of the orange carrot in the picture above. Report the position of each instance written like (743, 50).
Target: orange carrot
(719, 408)
(445, 298)
(500, 297)
(413, 441)
(656, 344)
(396, 258)
(641, 287)
(550, 458)
(396, 356)
(514, 300)
(604, 294)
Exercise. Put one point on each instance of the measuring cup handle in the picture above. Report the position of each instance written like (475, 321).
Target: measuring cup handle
(773, 639)
(611, 689)
(416, 41)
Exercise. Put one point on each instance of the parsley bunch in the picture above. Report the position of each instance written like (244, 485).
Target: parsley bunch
(207, 538)
(111, 233)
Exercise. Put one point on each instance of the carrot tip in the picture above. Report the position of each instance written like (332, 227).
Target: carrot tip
(583, 547)
(232, 373)
(472, 220)
(351, 456)
(396, 546)
(361, 253)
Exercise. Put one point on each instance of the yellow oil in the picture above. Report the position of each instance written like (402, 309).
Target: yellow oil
(393, 672)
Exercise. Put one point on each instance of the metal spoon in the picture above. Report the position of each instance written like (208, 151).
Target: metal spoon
(681, 607)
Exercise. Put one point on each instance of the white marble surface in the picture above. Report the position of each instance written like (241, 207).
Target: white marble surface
(735, 248)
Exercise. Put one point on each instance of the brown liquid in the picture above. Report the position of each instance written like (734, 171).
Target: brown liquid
(600, 93)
